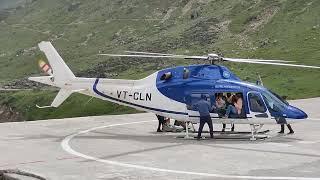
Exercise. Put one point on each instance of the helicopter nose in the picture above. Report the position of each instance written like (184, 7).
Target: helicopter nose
(296, 113)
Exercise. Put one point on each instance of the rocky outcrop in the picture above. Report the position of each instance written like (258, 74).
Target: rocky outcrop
(22, 84)
(15, 174)
(8, 114)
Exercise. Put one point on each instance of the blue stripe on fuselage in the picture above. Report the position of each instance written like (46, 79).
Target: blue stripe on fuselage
(129, 103)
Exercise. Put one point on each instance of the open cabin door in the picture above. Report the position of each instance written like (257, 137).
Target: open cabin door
(257, 106)
(193, 98)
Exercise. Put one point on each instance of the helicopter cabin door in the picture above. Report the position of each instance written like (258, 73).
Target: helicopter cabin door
(257, 106)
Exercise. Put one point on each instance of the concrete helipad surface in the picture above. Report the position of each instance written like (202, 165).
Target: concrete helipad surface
(127, 147)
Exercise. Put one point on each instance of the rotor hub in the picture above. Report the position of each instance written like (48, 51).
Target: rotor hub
(214, 58)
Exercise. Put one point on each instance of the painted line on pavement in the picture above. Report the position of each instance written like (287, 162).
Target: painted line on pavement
(313, 119)
(65, 145)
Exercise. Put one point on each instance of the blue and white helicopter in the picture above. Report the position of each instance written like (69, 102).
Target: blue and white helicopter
(170, 92)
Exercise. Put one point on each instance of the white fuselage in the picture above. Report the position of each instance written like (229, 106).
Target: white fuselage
(140, 94)
(143, 95)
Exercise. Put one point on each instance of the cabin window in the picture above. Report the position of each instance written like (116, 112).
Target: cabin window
(256, 103)
(186, 73)
(221, 101)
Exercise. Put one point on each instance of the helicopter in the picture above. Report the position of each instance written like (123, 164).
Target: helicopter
(171, 92)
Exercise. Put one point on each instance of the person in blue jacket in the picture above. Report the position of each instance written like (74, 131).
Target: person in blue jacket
(204, 108)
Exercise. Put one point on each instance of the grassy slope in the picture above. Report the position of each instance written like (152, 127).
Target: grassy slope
(292, 36)
(111, 26)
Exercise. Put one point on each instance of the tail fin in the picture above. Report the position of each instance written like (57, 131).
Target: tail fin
(60, 70)
(61, 75)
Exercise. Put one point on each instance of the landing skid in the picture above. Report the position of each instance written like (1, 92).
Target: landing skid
(234, 132)
(224, 137)
(255, 135)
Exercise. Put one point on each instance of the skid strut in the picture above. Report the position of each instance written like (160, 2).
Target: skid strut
(254, 128)
(187, 131)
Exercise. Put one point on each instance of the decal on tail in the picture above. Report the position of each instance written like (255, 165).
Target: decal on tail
(45, 67)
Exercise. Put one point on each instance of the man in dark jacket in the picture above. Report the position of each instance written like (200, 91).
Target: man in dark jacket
(204, 108)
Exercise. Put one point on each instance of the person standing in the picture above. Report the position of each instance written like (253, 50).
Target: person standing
(285, 122)
(289, 127)
(229, 99)
(204, 108)
(161, 121)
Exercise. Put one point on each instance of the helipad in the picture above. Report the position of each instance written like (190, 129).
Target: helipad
(127, 147)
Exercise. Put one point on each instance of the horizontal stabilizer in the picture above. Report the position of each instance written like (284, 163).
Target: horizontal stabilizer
(62, 95)
(43, 79)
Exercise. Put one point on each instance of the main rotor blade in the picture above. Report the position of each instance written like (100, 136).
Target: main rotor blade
(160, 55)
(260, 60)
(155, 56)
(150, 53)
(136, 55)
(270, 63)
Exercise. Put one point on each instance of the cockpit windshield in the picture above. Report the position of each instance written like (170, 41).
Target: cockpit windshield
(273, 102)
(280, 98)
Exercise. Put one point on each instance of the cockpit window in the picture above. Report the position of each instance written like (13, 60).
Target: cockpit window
(273, 102)
(256, 103)
(279, 97)
(186, 73)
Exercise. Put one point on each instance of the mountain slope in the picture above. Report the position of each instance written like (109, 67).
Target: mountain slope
(273, 29)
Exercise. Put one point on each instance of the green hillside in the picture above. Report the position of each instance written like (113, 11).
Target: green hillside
(270, 29)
